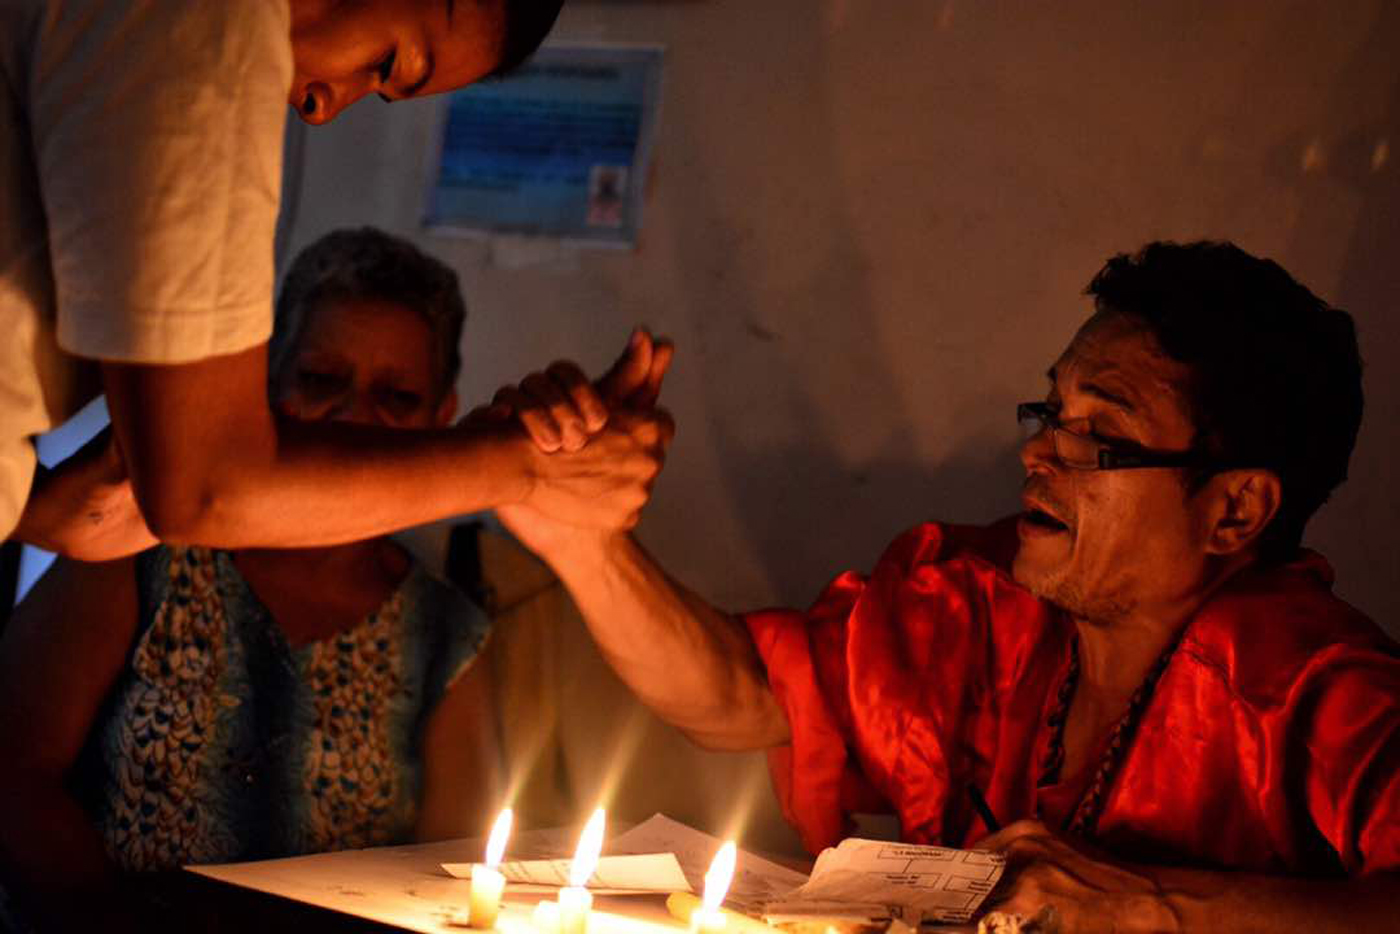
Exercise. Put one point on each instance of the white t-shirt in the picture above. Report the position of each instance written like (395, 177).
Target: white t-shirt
(140, 166)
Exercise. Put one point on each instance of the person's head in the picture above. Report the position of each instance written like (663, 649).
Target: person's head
(367, 331)
(1205, 352)
(345, 49)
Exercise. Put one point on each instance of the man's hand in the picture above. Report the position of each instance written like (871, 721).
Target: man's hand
(563, 412)
(1088, 893)
(634, 380)
(602, 486)
(85, 507)
(561, 409)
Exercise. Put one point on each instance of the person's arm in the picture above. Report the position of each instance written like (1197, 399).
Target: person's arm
(463, 782)
(61, 652)
(211, 464)
(158, 164)
(1225, 903)
(1091, 893)
(695, 666)
(84, 507)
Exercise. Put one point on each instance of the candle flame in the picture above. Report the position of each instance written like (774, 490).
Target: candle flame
(500, 833)
(590, 844)
(720, 875)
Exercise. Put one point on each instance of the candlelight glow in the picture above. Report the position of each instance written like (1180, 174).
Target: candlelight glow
(618, 750)
(590, 845)
(528, 739)
(500, 833)
(718, 878)
(748, 789)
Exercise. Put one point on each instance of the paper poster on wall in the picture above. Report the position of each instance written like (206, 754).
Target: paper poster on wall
(557, 149)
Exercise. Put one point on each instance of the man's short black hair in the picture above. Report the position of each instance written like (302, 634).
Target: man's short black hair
(527, 24)
(1275, 371)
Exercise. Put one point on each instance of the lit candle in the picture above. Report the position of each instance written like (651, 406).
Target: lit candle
(546, 917)
(487, 881)
(575, 901)
(708, 917)
(682, 906)
(705, 914)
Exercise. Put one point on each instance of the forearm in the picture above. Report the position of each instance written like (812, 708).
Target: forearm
(331, 483)
(1223, 903)
(696, 667)
(73, 511)
(40, 523)
(211, 464)
(1093, 892)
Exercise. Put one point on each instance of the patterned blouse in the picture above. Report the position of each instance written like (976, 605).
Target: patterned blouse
(219, 742)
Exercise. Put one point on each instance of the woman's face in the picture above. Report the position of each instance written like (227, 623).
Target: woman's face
(365, 361)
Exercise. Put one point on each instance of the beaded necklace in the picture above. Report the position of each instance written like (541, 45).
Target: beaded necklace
(1084, 818)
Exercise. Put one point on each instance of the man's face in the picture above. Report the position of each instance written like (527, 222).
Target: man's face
(1103, 544)
(345, 49)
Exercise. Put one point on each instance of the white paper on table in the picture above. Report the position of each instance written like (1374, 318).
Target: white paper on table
(942, 884)
(756, 880)
(405, 887)
(641, 874)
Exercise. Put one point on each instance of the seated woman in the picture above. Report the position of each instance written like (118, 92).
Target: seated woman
(194, 706)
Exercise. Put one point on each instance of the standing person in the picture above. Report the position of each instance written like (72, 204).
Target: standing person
(190, 705)
(140, 167)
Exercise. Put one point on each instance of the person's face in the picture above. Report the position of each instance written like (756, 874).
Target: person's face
(345, 49)
(1115, 540)
(364, 361)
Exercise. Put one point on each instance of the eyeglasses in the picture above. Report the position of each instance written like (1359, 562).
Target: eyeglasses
(1085, 452)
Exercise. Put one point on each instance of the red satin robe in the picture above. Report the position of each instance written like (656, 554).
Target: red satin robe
(1271, 743)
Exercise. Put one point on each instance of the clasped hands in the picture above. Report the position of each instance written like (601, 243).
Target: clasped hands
(596, 447)
(586, 459)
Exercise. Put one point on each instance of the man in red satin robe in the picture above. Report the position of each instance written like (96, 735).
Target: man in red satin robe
(1143, 671)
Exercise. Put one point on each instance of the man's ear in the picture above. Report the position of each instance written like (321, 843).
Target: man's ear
(1245, 501)
(446, 409)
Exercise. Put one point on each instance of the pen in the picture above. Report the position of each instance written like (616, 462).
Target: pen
(984, 810)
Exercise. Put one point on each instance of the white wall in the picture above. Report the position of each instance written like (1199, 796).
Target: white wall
(869, 225)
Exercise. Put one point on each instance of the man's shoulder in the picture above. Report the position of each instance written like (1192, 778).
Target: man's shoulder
(1273, 628)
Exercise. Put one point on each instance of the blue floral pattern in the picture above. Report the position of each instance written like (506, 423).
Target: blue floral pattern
(220, 742)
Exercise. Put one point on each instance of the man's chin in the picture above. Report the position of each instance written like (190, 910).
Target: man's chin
(1051, 581)
(1040, 579)
(1038, 559)
(1027, 571)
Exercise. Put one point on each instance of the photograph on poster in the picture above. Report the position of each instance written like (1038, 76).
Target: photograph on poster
(557, 149)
